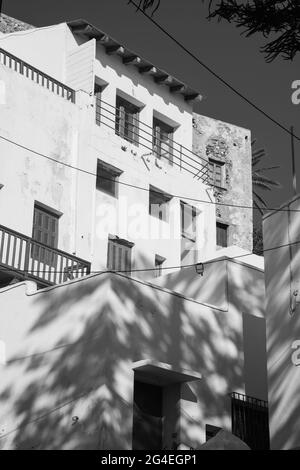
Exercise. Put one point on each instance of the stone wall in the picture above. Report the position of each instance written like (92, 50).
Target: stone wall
(10, 25)
(231, 146)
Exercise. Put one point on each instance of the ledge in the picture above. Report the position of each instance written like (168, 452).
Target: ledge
(162, 374)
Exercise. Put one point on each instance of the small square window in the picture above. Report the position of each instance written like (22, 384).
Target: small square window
(159, 204)
(107, 179)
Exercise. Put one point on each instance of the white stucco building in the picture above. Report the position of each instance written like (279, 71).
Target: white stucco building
(98, 174)
(91, 104)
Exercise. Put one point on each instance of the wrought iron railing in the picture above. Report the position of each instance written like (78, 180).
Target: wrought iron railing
(41, 78)
(28, 259)
(250, 420)
(141, 134)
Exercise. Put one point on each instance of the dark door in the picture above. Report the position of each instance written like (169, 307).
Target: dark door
(147, 417)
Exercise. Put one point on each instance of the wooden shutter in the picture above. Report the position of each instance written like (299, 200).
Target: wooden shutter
(157, 148)
(135, 135)
(122, 119)
(45, 230)
(118, 256)
(97, 93)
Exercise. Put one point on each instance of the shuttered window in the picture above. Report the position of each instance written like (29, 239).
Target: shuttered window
(163, 140)
(127, 120)
(216, 173)
(45, 230)
(119, 255)
(222, 234)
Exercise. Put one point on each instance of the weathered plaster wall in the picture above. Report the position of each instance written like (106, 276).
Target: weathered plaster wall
(72, 388)
(282, 277)
(34, 118)
(232, 145)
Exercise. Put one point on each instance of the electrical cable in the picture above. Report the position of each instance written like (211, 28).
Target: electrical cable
(212, 72)
(72, 167)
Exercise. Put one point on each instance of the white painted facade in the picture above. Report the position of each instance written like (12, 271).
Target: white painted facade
(282, 277)
(198, 337)
(37, 118)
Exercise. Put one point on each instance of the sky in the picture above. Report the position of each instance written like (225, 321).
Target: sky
(219, 45)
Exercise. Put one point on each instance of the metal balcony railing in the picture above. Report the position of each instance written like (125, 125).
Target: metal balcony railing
(41, 78)
(23, 257)
(138, 133)
(250, 420)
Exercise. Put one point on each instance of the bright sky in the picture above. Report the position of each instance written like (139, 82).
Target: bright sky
(220, 45)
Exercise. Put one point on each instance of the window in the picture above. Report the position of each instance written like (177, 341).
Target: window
(127, 120)
(222, 234)
(216, 173)
(97, 93)
(159, 261)
(45, 231)
(119, 254)
(159, 204)
(107, 178)
(163, 140)
(188, 216)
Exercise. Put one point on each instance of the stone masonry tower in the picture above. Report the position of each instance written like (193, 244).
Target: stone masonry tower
(227, 148)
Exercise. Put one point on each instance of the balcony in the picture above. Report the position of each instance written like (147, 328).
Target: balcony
(250, 420)
(23, 258)
(41, 78)
(140, 134)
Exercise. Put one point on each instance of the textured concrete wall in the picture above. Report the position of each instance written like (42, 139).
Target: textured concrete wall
(232, 145)
(10, 25)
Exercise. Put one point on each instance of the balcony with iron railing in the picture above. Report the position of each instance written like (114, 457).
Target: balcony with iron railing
(250, 420)
(32, 73)
(141, 134)
(21, 258)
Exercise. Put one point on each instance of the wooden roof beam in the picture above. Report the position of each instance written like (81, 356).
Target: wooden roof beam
(115, 49)
(132, 60)
(148, 69)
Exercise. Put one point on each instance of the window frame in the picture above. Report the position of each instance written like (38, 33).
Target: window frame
(192, 236)
(114, 260)
(159, 129)
(163, 213)
(212, 173)
(37, 250)
(221, 224)
(123, 124)
(115, 174)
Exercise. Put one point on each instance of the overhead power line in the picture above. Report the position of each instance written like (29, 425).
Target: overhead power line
(134, 186)
(212, 72)
(212, 261)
